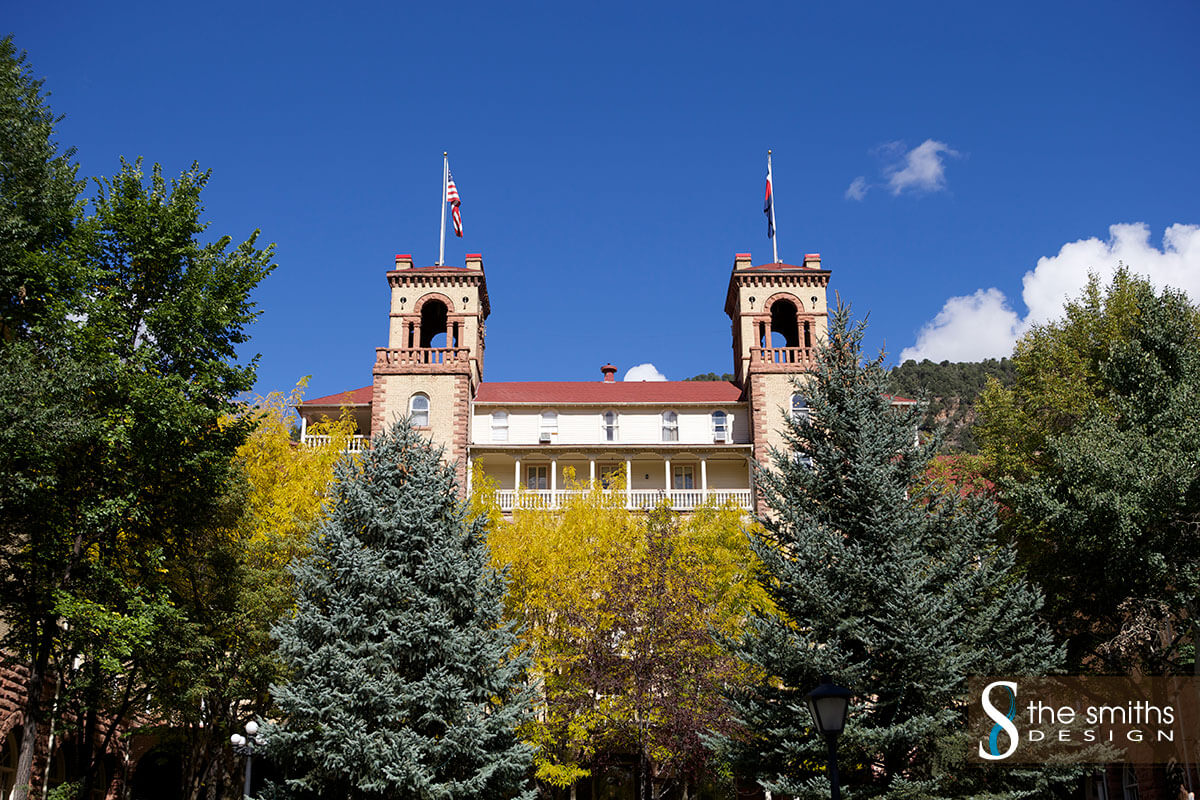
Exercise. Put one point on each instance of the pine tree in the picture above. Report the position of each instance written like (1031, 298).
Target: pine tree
(894, 587)
(405, 681)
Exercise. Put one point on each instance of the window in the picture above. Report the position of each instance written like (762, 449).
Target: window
(610, 426)
(499, 426)
(1129, 782)
(670, 426)
(785, 329)
(535, 478)
(610, 474)
(548, 427)
(685, 477)
(1097, 787)
(799, 408)
(418, 410)
(434, 315)
(8, 764)
(720, 426)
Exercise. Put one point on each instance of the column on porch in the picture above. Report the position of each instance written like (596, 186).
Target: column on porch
(704, 479)
(628, 483)
(553, 482)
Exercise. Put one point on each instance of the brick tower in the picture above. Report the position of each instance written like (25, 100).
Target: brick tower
(433, 363)
(779, 315)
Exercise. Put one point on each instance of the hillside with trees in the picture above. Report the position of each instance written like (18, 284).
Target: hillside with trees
(949, 392)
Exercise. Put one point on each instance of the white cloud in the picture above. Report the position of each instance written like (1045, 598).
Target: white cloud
(922, 169)
(858, 188)
(983, 326)
(966, 328)
(644, 372)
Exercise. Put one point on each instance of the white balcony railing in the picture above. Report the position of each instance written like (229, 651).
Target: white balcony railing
(354, 444)
(637, 499)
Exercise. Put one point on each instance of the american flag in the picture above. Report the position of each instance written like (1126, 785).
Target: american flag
(455, 202)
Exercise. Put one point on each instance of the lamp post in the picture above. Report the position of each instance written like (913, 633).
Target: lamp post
(244, 746)
(828, 704)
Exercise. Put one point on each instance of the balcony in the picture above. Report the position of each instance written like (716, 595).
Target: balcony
(636, 499)
(781, 358)
(399, 357)
(354, 444)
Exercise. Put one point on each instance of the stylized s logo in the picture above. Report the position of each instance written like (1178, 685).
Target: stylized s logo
(1004, 721)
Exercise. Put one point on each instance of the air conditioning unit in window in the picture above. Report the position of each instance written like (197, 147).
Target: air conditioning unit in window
(720, 436)
(545, 437)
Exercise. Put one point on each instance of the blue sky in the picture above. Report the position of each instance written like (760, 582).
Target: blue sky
(959, 166)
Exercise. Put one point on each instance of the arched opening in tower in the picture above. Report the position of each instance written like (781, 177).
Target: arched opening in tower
(785, 331)
(433, 324)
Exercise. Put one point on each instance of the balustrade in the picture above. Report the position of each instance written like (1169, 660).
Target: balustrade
(637, 499)
(354, 444)
(411, 356)
(782, 355)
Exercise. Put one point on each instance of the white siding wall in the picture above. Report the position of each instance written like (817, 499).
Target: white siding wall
(635, 425)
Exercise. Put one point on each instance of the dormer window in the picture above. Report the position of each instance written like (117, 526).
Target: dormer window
(670, 426)
(720, 426)
(418, 410)
(499, 426)
(609, 424)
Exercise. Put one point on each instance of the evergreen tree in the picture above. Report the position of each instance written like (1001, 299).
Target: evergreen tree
(894, 587)
(405, 682)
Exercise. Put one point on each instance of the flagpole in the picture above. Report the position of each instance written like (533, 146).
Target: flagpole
(775, 238)
(445, 177)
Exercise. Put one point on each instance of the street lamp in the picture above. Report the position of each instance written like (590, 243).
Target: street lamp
(828, 704)
(244, 746)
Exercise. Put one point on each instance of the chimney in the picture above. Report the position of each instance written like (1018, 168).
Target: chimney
(741, 261)
(474, 261)
(404, 261)
(812, 260)
(610, 373)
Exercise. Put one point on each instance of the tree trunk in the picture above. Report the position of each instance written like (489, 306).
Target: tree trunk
(34, 687)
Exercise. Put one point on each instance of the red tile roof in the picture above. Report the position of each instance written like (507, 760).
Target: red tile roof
(601, 393)
(356, 397)
(582, 392)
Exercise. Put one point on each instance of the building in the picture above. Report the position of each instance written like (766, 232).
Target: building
(686, 441)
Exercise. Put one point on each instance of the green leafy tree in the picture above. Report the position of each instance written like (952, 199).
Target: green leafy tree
(1094, 449)
(233, 588)
(116, 451)
(39, 206)
(405, 683)
(896, 588)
